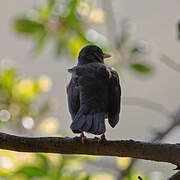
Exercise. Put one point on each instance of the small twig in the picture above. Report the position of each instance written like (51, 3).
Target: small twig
(159, 136)
(146, 103)
(140, 178)
(170, 63)
(110, 22)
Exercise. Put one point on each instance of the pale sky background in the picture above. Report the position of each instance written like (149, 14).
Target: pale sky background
(156, 23)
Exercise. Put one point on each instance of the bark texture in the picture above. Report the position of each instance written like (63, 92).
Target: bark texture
(160, 152)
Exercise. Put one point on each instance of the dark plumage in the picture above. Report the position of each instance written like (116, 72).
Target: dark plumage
(93, 93)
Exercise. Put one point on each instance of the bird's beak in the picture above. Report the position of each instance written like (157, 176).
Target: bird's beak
(106, 55)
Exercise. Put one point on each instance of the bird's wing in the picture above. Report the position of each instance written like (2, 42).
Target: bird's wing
(114, 100)
(73, 94)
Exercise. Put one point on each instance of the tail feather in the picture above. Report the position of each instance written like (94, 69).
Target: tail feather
(92, 123)
(78, 122)
(102, 127)
(88, 122)
(98, 125)
(94, 127)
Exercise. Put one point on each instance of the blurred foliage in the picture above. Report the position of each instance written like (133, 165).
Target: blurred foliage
(142, 68)
(67, 23)
(28, 166)
(44, 166)
(53, 19)
(19, 94)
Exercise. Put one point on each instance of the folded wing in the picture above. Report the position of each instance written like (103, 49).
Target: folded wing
(73, 94)
(114, 101)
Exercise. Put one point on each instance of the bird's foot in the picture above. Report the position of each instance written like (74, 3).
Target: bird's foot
(83, 138)
(102, 138)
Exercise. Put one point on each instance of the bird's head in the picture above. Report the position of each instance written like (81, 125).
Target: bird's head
(91, 53)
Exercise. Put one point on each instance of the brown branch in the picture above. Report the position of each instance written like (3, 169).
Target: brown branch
(145, 103)
(161, 135)
(124, 148)
(110, 22)
(175, 121)
(175, 176)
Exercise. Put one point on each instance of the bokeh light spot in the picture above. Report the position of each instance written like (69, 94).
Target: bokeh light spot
(49, 125)
(28, 122)
(6, 162)
(123, 162)
(4, 115)
(45, 83)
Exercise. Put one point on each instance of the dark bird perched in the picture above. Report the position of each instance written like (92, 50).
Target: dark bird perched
(94, 93)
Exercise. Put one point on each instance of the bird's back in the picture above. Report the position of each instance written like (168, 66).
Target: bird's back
(92, 81)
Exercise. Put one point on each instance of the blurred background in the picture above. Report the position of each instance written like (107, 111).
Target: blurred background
(40, 40)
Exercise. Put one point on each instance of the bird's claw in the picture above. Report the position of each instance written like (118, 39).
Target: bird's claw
(102, 138)
(83, 138)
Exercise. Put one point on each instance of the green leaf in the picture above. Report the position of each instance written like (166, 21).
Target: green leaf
(32, 171)
(45, 10)
(72, 18)
(86, 177)
(59, 173)
(141, 68)
(4, 172)
(135, 50)
(7, 79)
(44, 162)
(75, 44)
(27, 26)
(61, 43)
(51, 3)
(72, 7)
(40, 38)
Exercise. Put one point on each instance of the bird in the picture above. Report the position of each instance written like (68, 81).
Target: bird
(93, 93)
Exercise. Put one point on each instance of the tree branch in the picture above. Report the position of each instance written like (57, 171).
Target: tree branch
(175, 121)
(110, 22)
(170, 63)
(159, 137)
(124, 148)
(146, 103)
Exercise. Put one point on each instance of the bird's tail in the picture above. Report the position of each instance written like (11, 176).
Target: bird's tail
(91, 122)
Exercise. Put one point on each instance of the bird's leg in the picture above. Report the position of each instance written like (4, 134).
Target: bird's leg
(102, 138)
(83, 137)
